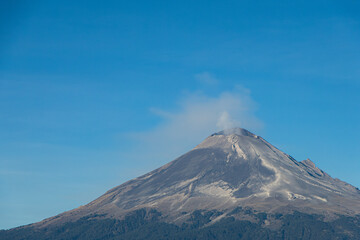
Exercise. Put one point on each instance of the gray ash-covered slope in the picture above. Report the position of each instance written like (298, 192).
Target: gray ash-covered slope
(228, 169)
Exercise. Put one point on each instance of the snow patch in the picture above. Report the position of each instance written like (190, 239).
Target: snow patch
(217, 189)
(186, 182)
(234, 140)
(276, 182)
(320, 198)
(293, 196)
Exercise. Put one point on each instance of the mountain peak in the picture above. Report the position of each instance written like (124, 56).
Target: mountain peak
(228, 139)
(232, 175)
(230, 168)
(235, 131)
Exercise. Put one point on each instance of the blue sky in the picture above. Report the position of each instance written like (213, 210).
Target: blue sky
(93, 94)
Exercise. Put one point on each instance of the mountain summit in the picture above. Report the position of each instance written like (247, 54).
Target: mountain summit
(229, 170)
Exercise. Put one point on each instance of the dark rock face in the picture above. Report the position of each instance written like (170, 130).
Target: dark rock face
(232, 177)
(148, 224)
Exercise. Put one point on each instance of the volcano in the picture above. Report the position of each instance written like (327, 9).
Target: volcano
(233, 185)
